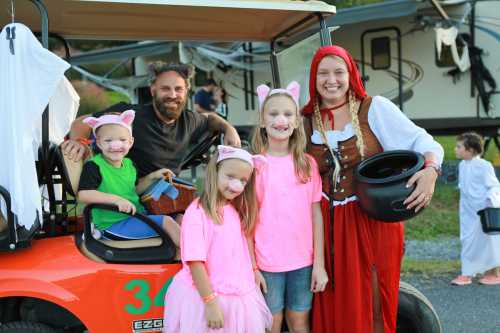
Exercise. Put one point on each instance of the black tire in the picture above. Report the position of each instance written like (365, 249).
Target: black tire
(415, 313)
(25, 327)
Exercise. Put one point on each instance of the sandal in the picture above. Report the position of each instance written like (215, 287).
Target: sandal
(461, 280)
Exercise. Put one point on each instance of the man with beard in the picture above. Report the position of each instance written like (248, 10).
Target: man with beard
(162, 130)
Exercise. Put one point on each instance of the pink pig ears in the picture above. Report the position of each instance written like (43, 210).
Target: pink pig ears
(292, 90)
(91, 121)
(262, 92)
(124, 119)
(128, 117)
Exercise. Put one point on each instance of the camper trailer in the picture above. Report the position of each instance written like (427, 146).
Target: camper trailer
(395, 46)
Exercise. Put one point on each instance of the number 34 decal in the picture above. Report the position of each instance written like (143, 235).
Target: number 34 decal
(142, 289)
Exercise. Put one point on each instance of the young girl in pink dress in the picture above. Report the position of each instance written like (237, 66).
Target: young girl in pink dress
(215, 290)
(288, 242)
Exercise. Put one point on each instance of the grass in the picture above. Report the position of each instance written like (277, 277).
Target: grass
(438, 220)
(429, 268)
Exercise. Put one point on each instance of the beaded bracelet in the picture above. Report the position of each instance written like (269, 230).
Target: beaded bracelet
(209, 298)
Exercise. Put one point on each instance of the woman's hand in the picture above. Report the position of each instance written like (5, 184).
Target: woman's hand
(125, 206)
(319, 278)
(214, 315)
(260, 281)
(422, 195)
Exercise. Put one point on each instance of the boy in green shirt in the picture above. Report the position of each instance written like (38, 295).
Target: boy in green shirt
(111, 178)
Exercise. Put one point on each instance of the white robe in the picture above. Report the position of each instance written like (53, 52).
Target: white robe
(29, 78)
(479, 187)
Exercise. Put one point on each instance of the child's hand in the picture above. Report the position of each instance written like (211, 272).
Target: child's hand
(319, 278)
(214, 315)
(125, 206)
(260, 281)
(161, 174)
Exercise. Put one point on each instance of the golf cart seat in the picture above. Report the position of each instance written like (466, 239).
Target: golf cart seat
(152, 250)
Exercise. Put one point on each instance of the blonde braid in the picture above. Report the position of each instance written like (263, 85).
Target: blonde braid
(321, 128)
(353, 109)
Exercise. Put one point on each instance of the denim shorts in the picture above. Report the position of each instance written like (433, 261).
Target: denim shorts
(133, 228)
(290, 289)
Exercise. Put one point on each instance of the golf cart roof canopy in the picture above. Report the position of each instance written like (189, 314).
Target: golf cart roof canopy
(221, 20)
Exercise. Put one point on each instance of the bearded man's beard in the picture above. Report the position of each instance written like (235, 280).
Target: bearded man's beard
(169, 112)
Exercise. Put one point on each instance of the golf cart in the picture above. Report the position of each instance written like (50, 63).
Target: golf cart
(54, 276)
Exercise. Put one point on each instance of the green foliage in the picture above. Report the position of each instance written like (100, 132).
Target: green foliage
(92, 97)
(116, 97)
(440, 219)
(105, 67)
(89, 45)
(351, 3)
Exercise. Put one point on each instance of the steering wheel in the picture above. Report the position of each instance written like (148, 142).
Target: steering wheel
(198, 153)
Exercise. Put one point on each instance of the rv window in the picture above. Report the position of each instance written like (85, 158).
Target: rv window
(381, 53)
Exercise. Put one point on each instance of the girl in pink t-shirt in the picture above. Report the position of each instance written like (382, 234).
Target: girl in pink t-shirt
(215, 290)
(288, 239)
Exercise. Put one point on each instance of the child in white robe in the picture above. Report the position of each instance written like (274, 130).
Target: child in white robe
(479, 188)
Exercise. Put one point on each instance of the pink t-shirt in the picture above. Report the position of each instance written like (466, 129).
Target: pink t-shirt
(284, 232)
(223, 248)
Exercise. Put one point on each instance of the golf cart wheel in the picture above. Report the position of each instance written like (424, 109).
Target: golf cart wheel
(25, 327)
(415, 313)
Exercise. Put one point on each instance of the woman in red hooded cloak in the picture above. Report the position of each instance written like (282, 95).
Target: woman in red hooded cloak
(362, 255)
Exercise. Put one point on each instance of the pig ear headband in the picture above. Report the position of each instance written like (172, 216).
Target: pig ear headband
(124, 119)
(227, 152)
(292, 90)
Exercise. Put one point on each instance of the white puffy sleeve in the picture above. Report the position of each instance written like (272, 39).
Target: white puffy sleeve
(395, 131)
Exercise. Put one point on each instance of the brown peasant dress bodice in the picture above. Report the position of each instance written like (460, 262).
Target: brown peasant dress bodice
(348, 154)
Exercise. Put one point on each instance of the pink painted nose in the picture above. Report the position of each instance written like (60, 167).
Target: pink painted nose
(116, 145)
(281, 121)
(235, 185)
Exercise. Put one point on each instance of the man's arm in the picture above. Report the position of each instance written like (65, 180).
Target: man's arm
(72, 148)
(218, 124)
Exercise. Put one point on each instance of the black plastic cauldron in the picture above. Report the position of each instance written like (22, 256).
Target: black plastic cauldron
(381, 184)
(490, 220)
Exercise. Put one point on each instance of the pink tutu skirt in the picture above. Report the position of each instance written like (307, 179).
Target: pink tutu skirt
(185, 311)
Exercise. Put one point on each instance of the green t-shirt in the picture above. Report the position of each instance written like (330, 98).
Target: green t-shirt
(119, 181)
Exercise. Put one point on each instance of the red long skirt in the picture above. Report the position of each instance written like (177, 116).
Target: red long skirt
(361, 246)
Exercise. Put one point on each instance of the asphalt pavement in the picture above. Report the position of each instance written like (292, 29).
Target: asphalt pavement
(473, 308)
